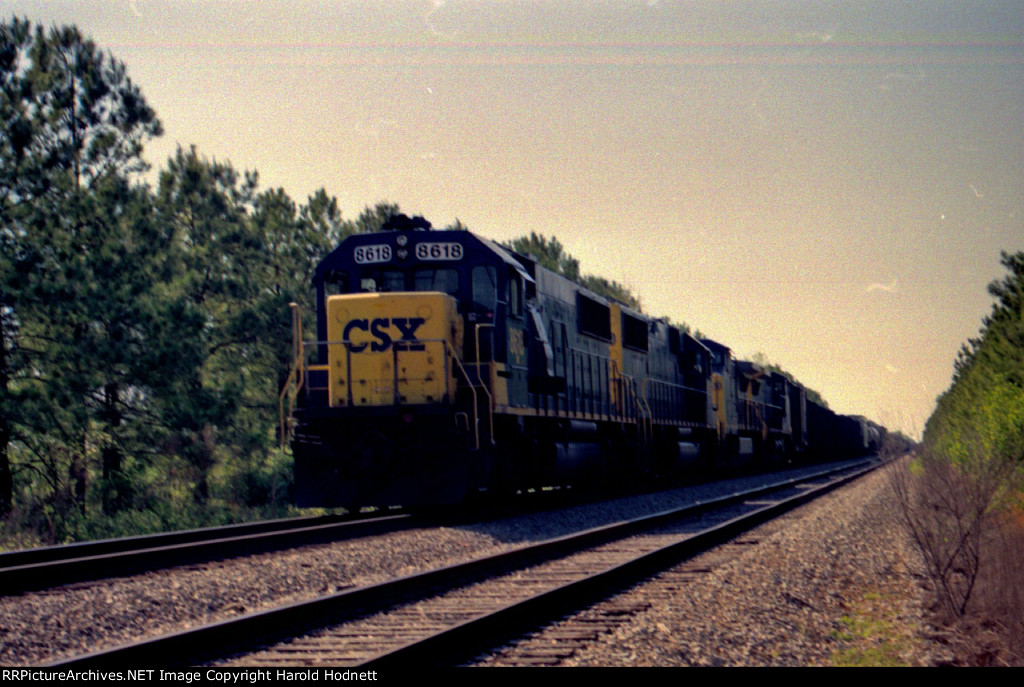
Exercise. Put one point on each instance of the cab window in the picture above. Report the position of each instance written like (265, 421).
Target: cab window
(444, 280)
(382, 281)
(485, 287)
(335, 283)
(515, 295)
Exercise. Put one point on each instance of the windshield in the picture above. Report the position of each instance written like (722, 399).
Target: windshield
(383, 281)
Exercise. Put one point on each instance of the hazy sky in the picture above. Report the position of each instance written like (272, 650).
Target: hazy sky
(829, 183)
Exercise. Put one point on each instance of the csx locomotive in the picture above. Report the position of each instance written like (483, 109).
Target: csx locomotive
(446, 365)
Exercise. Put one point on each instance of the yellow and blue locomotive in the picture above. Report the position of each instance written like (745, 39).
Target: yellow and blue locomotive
(446, 365)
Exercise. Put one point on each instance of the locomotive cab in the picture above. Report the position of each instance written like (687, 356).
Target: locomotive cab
(419, 335)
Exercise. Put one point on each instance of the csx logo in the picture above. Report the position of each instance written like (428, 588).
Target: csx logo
(382, 339)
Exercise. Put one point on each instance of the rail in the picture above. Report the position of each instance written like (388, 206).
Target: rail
(555, 597)
(33, 569)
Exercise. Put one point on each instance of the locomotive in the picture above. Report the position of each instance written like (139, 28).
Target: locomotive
(445, 365)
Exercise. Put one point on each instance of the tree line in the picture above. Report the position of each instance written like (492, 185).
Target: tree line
(145, 329)
(982, 412)
(551, 254)
(961, 498)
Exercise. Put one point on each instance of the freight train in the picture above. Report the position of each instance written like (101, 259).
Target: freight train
(446, 366)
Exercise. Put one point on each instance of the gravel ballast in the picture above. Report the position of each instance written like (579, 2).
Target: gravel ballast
(831, 584)
(781, 603)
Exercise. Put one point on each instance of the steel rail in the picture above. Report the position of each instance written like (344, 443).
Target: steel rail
(461, 643)
(226, 637)
(34, 569)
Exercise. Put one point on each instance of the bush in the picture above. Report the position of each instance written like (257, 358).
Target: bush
(952, 510)
(258, 484)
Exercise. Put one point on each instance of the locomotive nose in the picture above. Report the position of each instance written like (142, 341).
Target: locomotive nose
(389, 349)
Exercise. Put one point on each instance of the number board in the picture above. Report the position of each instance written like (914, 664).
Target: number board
(439, 251)
(377, 252)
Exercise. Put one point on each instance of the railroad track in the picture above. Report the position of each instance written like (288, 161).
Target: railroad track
(35, 569)
(450, 615)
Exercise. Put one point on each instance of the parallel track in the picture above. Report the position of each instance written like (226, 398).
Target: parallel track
(449, 615)
(35, 569)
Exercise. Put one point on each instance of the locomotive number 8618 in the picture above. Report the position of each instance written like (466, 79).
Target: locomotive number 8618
(445, 365)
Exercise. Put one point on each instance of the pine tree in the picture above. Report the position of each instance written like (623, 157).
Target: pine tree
(73, 127)
(248, 254)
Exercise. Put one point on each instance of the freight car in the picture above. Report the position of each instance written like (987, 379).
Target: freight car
(445, 365)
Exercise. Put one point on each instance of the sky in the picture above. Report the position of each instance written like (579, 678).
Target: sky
(828, 183)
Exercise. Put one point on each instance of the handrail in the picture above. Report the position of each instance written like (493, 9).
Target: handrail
(671, 386)
(472, 388)
(299, 368)
(749, 403)
(296, 373)
(480, 378)
(647, 417)
(643, 415)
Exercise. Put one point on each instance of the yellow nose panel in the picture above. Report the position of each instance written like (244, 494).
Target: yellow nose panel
(392, 348)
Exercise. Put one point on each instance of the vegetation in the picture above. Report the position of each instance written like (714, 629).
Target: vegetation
(963, 497)
(145, 331)
(812, 395)
(871, 636)
(551, 254)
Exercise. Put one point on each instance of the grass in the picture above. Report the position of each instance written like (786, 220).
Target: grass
(872, 635)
